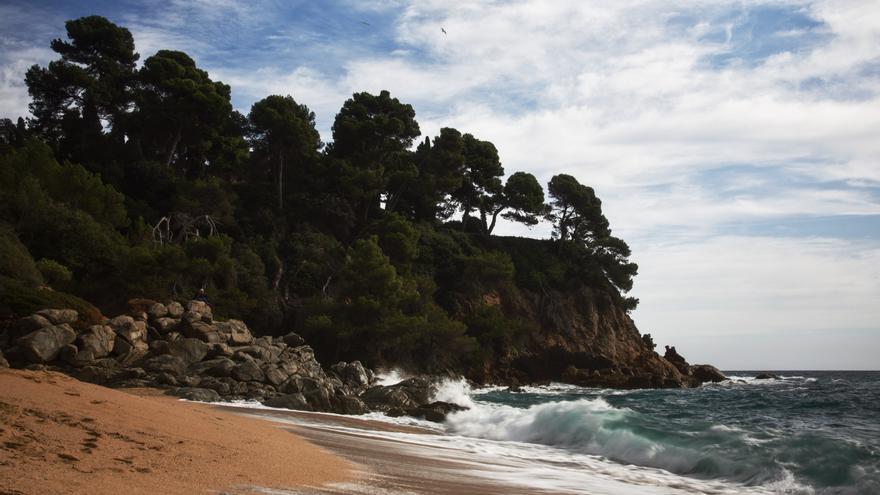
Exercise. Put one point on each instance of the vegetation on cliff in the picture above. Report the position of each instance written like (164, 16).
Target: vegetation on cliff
(145, 182)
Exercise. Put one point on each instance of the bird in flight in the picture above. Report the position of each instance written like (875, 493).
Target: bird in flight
(365, 23)
(444, 31)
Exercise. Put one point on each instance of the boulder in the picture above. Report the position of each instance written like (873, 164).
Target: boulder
(235, 332)
(166, 363)
(202, 331)
(98, 339)
(140, 316)
(157, 310)
(188, 349)
(30, 323)
(59, 316)
(3, 362)
(435, 411)
(352, 374)
(196, 394)
(351, 405)
(767, 376)
(293, 340)
(175, 309)
(248, 371)
(274, 375)
(707, 373)
(165, 325)
(219, 349)
(385, 398)
(220, 366)
(75, 357)
(130, 334)
(43, 345)
(290, 401)
(202, 308)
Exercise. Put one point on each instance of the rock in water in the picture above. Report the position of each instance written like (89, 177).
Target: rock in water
(43, 345)
(767, 376)
(352, 374)
(59, 316)
(707, 373)
(290, 401)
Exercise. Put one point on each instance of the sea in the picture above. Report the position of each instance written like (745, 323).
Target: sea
(806, 432)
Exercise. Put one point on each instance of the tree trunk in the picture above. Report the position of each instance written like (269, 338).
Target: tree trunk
(494, 219)
(174, 144)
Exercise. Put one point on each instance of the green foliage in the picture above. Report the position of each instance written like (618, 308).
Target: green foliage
(496, 333)
(21, 299)
(15, 260)
(54, 273)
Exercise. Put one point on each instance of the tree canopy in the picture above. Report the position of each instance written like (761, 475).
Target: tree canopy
(146, 182)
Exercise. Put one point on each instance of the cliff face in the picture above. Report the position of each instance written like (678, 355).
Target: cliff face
(583, 337)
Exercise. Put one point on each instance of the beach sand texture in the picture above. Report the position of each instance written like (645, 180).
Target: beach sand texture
(62, 436)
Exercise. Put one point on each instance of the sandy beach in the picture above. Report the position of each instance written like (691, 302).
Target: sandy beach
(59, 435)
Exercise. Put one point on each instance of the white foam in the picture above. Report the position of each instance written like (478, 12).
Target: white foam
(391, 376)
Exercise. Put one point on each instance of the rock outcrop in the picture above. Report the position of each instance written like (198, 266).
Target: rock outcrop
(197, 358)
(581, 337)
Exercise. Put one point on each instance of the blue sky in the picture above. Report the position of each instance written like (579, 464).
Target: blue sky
(735, 144)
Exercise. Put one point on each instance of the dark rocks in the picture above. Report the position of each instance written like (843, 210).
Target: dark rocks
(294, 401)
(44, 345)
(130, 334)
(202, 308)
(234, 332)
(293, 340)
(351, 405)
(3, 362)
(189, 350)
(385, 398)
(767, 376)
(248, 371)
(707, 373)
(198, 329)
(352, 374)
(218, 367)
(435, 411)
(196, 394)
(167, 363)
(59, 316)
(30, 323)
(175, 309)
(165, 325)
(98, 339)
(157, 310)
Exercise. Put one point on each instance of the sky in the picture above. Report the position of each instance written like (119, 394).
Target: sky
(735, 144)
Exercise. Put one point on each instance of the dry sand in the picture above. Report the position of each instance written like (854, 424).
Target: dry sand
(60, 435)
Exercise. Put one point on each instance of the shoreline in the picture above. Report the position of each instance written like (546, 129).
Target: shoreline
(61, 435)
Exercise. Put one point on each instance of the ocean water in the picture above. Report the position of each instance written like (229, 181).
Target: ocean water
(807, 433)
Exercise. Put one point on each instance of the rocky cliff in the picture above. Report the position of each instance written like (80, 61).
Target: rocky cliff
(584, 337)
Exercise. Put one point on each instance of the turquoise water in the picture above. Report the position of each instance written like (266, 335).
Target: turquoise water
(810, 432)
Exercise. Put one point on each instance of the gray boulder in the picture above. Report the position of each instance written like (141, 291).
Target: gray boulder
(274, 375)
(435, 411)
(30, 323)
(293, 340)
(202, 331)
(44, 345)
(157, 310)
(196, 394)
(248, 371)
(235, 332)
(130, 334)
(707, 373)
(218, 367)
(59, 316)
(175, 309)
(98, 339)
(219, 349)
(3, 362)
(352, 374)
(189, 350)
(165, 325)
(351, 405)
(166, 363)
(202, 308)
(75, 357)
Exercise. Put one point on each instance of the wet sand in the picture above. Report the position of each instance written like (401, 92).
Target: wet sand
(62, 436)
